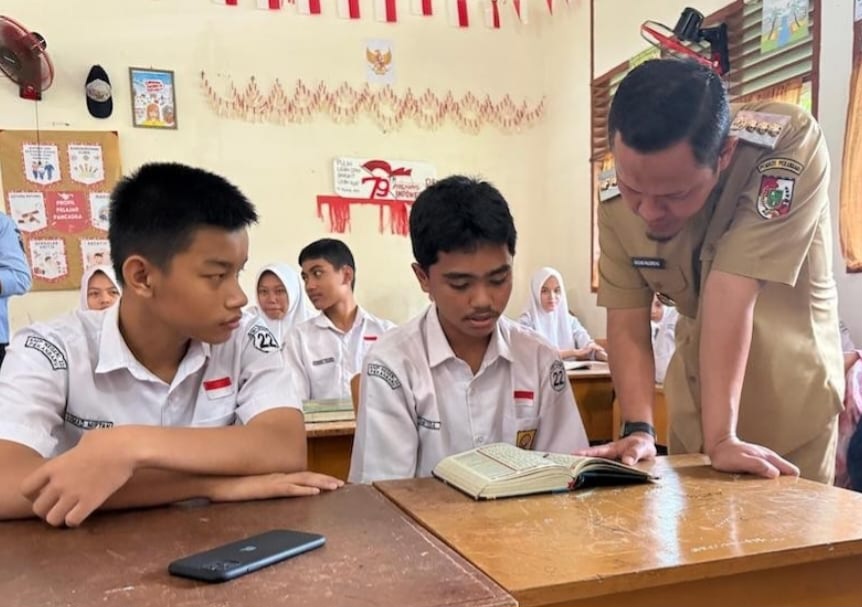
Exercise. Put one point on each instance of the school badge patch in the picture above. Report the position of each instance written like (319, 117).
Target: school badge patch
(775, 196)
(525, 439)
(385, 373)
(54, 355)
(558, 376)
(263, 339)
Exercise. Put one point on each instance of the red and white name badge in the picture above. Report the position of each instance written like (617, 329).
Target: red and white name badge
(218, 388)
(524, 397)
(369, 337)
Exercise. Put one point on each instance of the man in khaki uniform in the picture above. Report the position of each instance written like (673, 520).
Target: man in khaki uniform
(724, 213)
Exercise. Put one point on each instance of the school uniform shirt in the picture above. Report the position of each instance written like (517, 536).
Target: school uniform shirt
(420, 403)
(76, 373)
(766, 219)
(663, 341)
(299, 309)
(562, 329)
(322, 358)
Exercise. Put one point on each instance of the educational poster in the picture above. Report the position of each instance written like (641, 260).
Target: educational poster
(784, 22)
(154, 104)
(56, 188)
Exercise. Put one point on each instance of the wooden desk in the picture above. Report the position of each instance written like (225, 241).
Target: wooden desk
(374, 555)
(594, 393)
(329, 447)
(698, 537)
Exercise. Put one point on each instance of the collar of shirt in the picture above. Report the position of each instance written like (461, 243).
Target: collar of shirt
(322, 321)
(114, 353)
(439, 350)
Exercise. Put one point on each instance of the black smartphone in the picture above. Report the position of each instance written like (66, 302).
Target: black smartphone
(238, 558)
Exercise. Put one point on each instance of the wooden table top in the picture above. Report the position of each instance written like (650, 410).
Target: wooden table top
(374, 555)
(597, 369)
(694, 523)
(320, 429)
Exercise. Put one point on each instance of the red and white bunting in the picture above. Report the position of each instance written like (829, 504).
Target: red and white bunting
(271, 5)
(492, 14)
(384, 10)
(348, 9)
(551, 6)
(458, 15)
(226, 2)
(421, 7)
(308, 7)
(520, 10)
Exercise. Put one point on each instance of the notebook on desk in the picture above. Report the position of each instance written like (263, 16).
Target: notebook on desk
(574, 365)
(328, 410)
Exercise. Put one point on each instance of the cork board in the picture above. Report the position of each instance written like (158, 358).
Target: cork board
(56, 188)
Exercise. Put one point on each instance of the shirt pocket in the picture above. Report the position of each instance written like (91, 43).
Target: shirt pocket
(520, 426)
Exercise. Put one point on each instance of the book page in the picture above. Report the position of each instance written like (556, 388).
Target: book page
(572, 462)
(483, 465)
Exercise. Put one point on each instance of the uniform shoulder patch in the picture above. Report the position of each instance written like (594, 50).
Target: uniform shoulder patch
(781, 164)
(263, 339)
(385, 373)
(775, 196)
(558, 376)
(50, 351)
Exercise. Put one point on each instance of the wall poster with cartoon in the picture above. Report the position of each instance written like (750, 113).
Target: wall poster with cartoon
(56, 188)
(154, 102)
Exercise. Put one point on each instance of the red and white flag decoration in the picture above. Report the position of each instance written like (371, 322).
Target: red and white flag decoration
(421, 7)
(226, 2)
(348, 9)
(384, 10)
(308, 7)
(520, 10)
(271, 5)
(551, 7)
(492, 14)
(458, 15)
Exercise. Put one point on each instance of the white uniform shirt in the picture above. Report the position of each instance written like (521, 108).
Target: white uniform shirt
(420, 403)
(322, 358)
(76, 373)
(664, 341)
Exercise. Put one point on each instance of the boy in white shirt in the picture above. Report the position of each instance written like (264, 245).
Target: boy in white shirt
(460, 375)
(136, 405)
(325, 352)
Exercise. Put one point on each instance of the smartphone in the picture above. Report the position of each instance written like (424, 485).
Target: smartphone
(232, 560)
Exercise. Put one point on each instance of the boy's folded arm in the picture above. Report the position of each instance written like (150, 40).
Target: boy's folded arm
(17, 461)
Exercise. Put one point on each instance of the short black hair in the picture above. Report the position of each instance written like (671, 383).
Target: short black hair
(458, 214)
(664, 101)
(156, 210)
(332, 250)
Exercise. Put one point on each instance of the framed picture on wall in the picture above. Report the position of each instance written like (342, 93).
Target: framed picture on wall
(154, 102)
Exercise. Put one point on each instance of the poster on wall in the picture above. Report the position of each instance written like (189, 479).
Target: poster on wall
(154, 103)
(56, 187)
(389, 185)
(784, 22)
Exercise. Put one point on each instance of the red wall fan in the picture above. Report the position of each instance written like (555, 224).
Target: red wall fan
(23, 59)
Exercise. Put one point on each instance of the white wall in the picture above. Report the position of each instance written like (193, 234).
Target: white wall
(623, 17)
(283, 168)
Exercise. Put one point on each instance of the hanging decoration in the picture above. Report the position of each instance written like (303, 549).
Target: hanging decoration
(390, 110)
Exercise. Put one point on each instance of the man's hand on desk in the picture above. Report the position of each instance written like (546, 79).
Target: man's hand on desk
(734, 455)
(629, 450)
(268, 486)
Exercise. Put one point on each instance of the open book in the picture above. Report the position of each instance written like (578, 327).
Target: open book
(574, 365)
(503, 470)
(328, 410)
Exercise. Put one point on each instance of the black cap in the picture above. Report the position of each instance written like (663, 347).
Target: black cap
(98, 88)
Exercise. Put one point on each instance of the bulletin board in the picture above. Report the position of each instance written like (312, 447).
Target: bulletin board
(56, 188)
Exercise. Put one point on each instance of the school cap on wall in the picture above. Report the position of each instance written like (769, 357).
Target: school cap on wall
(98, 87)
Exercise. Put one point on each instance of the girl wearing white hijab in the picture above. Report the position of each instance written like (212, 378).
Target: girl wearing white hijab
(547, 313)
(99, 288)
(281, 299)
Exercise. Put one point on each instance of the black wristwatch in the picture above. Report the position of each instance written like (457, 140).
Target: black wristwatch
(632, 427)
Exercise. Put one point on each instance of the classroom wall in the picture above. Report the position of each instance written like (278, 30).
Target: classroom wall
(283, 168)
(623, 17)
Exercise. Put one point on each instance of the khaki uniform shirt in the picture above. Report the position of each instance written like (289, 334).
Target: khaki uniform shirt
(767, 219)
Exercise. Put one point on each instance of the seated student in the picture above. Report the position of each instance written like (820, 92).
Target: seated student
(99, 288)
(281, 303)
(136, 405)
(460, 375)
(663, 324)
(547, 313)
(324, 353)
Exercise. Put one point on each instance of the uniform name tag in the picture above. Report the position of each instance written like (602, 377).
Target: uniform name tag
(648, 262)
(86, 424)
(322, 361)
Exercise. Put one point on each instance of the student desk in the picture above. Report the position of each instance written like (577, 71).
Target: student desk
(594, 394)
(374, 555)
(698, 537)
(329, 447)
